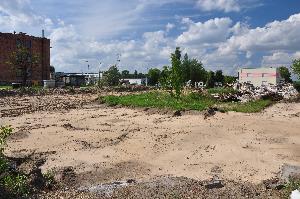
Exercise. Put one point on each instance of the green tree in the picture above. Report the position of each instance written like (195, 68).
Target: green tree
(296, 67)
(153, 75)
(229, 79)
(164, 79)
(197, 72)
(219, 77)
(135, 74)
(125, 74)
(176, 76)
(186, 67)
(112, 76)
(22, 61)
(210, 83)
(285, 74)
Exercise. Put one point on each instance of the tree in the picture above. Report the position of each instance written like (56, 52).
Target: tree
(153, 75)
(135, 74)
(125, 74)
(186, 67)
(285, 74)
(164, 79)
(219, 77)
(197, 72)
(176, 76)
(296, 67)
(229, 79)
(210, 83)
(22, 61)
(112, 76)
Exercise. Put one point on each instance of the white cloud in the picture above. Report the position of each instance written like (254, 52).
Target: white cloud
(221, 5)
(278, 35)
(212, 31)
(280, 59)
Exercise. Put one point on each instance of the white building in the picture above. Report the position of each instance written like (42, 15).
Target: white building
(260, 76)
(135, 81)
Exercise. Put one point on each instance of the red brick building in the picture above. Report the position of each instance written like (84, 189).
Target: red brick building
(37, 45)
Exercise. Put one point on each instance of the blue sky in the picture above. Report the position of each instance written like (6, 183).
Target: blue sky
(223, 34)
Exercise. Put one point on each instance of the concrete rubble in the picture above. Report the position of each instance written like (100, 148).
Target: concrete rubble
(247, 92)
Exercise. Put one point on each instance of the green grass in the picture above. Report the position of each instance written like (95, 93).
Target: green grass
(5, 87)
(221, 90)
(249, 107)
(191, 101)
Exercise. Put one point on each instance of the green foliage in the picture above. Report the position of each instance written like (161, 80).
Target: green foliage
(192, 101)
(111, 77)
(285, 74)
(229, 79)
(16, 184)
(249, 107)
(296, 67)
(22, 62)
(210, 83)
(125, 74)
(153, 75)
(297, 85)
(176, 75)
(193, 70)
(164, 79)
(219, 77)
(290, 186)
(3, 165)
(161, 100)
(221, 90)
(49, 178)
(5, 131)
(5, 87)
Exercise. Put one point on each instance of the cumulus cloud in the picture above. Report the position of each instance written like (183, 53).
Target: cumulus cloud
(90, 34)
(221, 5)
(277, 35)
(212, 31)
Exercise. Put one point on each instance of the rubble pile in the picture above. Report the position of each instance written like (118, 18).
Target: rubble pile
(247, 92)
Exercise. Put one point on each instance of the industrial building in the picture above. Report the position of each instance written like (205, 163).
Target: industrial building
(260, 76)
(40, 46)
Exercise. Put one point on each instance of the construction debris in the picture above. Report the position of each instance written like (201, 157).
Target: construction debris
(247, 92)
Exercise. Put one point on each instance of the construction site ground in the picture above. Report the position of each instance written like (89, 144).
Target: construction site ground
(107, 144)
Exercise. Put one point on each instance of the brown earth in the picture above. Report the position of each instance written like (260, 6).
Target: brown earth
(106, 144)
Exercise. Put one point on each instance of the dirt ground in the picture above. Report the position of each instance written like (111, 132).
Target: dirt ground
(107, 144)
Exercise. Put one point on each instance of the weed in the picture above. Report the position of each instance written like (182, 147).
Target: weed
(192, 101)
(16, 184)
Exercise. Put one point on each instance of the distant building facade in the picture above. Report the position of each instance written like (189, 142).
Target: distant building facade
(134, 81)
(39, 46)
(260, 76)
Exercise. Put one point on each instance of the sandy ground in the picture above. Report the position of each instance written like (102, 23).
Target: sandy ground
(108, 144)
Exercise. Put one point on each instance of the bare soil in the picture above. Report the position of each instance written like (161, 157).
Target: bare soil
(106, 144)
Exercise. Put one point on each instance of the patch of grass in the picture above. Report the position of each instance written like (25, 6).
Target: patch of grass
(249, 107)
(221, 90)
(291, 186)
(16, 184)
(5, 87)
(50, 179)
(193, 101)
(161, 100)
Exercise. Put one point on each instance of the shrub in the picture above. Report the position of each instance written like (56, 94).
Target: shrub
(297, 85)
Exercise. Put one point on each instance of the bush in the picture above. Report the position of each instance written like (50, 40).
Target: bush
(16, 184)
(297, 85)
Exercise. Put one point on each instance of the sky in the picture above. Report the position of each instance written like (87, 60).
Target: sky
(222, 34)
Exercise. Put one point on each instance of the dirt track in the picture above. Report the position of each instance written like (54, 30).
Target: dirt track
(109, 144)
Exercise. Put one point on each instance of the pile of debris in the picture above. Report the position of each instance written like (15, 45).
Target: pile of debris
(247, 92)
